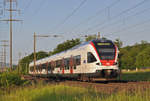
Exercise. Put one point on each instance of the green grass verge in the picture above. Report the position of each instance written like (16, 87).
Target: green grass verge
(136, 75)
(66, 93)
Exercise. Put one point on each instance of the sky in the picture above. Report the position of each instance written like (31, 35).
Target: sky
(127, 20)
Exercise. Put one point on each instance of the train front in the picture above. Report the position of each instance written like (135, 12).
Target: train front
(107, 54)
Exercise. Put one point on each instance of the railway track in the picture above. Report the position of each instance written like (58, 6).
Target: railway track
(28, 77)
(106, 87)
(111, 87)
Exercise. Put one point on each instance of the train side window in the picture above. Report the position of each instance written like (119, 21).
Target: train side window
(44, 66)
(37, 68)
(75, 67)
(66, 63)
(49, 66)
(32, 69)
(58, 63)
(77, 59)
(74, 63)
(90, 57)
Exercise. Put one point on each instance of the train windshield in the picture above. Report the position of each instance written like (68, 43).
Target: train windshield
(105, 50)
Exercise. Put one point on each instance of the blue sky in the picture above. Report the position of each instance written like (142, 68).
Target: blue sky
(125, 19)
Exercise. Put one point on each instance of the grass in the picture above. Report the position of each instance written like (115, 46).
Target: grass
(44, 92)
(67, 93)
(136, 75)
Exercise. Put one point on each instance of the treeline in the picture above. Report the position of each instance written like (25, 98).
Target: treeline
(130, 57)
(136, 56)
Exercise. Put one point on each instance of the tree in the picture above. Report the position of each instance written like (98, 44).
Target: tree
(90, 37)
(125, 59)
(66, 45)
(143, 58)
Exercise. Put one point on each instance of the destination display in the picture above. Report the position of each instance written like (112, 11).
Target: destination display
(102, 44)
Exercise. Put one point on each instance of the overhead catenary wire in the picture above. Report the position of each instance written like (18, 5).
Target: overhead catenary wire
(39, 7)
(96, 14)
(129, 27)
(71, 14)
(28, 5)
(126, 18)
(118, 15)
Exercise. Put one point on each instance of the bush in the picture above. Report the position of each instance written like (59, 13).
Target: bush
(8, 79)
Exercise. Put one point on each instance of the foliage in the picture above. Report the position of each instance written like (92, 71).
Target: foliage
(8, 79)
(143, 58)
(90, 37)
(136, 56)
(65, 46)
(66, 93)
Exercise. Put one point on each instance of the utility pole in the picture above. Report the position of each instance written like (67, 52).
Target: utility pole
(10, 20)
(98, 36)
(2, 59)
(19, 62)
(34, 51)
(4, 45)
(1, 9)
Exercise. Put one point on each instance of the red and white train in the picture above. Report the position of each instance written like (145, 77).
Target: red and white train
(93, 60)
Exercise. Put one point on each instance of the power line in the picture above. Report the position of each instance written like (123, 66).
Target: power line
(71, 14)
(28, 5)
(118, 15)
(129, 27)
(41, 5)
(128, 17)
(96, 14)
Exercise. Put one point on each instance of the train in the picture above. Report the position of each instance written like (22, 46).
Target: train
(90, 61)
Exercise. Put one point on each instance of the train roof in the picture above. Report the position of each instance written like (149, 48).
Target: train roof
(74, 48)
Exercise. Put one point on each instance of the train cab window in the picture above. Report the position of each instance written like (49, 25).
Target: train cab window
(90, 57)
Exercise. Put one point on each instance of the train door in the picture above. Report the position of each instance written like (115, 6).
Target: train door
(62, 66)
(52, 67)
(71, 65)
(47, 64)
